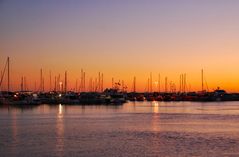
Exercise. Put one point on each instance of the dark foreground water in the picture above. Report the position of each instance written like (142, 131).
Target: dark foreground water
(133, 129)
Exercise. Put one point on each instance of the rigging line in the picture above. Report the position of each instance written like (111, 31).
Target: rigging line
(3, 73)
(206, 83)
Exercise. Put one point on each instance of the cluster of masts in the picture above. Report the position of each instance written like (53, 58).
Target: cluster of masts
(169, 86)
(96, 84)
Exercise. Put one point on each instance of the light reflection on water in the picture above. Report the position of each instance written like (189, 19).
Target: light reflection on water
(155, 117)
(133, 129)
(60, 131)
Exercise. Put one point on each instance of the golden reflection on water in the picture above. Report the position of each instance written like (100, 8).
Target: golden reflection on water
(155, 116)
(60, 131)
(155, 127)
(60, 111)
(14, 130)
(155, 106)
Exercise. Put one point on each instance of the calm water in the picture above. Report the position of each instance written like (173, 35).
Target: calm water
(133, 129)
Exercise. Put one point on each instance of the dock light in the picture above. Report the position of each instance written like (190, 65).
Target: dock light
(59, 95)
(34, 95)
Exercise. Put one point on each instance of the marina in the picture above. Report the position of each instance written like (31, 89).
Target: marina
(119, 78)
(95, 93)
(109, 97)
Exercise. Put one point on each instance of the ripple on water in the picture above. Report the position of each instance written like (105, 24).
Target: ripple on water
(176, 129)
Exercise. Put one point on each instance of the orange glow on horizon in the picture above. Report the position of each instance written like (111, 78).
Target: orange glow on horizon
(211, 82)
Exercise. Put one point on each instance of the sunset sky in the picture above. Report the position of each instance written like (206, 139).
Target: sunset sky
(122, 39)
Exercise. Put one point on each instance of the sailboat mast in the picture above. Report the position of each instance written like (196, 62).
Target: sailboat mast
(202, 80)
(8, 74)
(102, 82)
(65, 81)
(50, 82)
(166, 84)
(180, 84)
(83, 81)
(159, 83)
(151, 83)
(134, 85)
(22, 83)
(41, 86)
(55, 84)
(25, 83)
(99, 80)
(76, 85)
(185, 82)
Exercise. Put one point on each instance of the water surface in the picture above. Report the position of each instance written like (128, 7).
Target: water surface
(133, 129)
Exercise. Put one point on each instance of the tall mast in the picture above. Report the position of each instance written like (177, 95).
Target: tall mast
(95, 85)
(134, 85)
(180, 85)
(2, 74)
(159, 83)
(8, 74)
(185, 82)
(55, 84)
(89, 88)
(41, 85)
(65, 81)
(81, 81)
(76, 85)
(1, 80)
(50, 82)
(102, 82)
(151, 82)
(99, 81)
(58, 83)
(202, 80)
(166, 84)
(170, 87)
(92, 84)
(22, 83)
(25, 84)
(84, 81)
